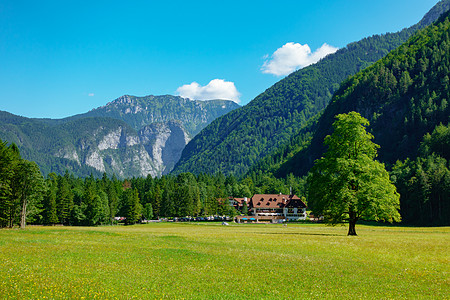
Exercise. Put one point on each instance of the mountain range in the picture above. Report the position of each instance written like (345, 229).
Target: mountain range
(130, 136)
(280, 131)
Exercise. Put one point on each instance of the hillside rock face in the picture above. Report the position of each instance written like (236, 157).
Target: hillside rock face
(165, 142)
(153, 150)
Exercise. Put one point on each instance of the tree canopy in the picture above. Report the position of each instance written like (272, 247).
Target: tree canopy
(348, 183)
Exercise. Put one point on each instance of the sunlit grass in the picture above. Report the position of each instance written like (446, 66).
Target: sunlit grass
(210, 261)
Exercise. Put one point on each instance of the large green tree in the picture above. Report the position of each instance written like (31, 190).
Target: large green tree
(30, 189)
(348, 184)
(21, 188)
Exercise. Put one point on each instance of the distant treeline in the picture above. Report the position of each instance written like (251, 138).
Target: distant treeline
(26, 196)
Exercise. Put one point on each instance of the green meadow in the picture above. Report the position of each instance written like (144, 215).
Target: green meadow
(211, 261)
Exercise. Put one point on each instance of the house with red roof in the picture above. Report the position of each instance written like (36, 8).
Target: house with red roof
(273, 208)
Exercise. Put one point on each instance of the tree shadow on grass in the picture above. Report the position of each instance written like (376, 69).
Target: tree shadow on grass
(299, 233)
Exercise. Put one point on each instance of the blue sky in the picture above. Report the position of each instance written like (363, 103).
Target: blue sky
(60, 58)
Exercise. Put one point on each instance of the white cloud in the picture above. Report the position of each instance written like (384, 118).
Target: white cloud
(215, 89)
(91, 94)
(294, 56)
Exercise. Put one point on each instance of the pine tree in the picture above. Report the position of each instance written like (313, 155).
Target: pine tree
(133, 207)
(64, 199)
(50, 210)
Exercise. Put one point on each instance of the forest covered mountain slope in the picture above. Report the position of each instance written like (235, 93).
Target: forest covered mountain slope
(236, 141)
(404, 96)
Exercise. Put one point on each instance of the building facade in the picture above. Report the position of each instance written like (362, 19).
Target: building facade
(271, 208)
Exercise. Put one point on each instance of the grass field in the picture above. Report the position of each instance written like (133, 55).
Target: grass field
(210, 261)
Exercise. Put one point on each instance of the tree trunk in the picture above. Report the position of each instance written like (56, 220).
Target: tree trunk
(23, 215)
(352, 224)
(10, 218)
(351, 227)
